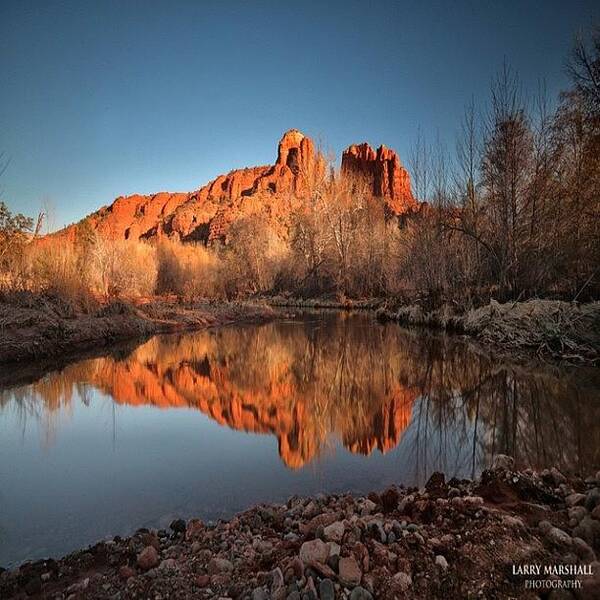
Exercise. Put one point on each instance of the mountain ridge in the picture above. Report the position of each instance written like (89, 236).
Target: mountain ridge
(206, 214)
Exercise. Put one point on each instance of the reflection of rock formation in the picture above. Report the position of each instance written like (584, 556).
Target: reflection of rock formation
(212, 374)
(345, 377)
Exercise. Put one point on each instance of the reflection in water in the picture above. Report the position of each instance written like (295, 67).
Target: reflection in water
(343, 376)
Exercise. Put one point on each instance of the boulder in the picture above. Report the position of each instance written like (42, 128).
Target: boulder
(349, 571)
(384, 172)
(219, 565)
(314, 551)
(147, 558)
(334, 532)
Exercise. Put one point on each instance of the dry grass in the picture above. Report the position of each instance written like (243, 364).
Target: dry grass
(548, 328)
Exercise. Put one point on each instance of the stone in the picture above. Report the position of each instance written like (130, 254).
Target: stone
(277, 579)
(79, 586)
(575, 499)
(262, 546)
(436, 483)
(389, 499)
(368, 506)
(376, 528)
(334, 561)
(260, 594)
(583, 550)
(360, 593)
(502, 462)
(402, 580)
(596, 513)
(334, 549)
(314, 551)
(323, 570)
(178, 525)
(326, 590)
(544, 526)
(384, 171)
(589, 530)
(349, 572)
(334, 532)
(441, 561)
(513, 522)
(472, 501)
(150, 539)
(577, 513)
(592, 499)
(194, 530)
(557, 476)
(316, 522)
(219, 565)
(169, 564)
(558, 536)
(147, 558)
(125, 572)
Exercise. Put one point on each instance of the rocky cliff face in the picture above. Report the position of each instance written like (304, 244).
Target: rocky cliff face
(390, 180)
(206, 214)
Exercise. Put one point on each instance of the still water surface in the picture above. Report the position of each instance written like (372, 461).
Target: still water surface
(209, 423)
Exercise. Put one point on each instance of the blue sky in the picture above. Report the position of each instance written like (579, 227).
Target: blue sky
(104, 98)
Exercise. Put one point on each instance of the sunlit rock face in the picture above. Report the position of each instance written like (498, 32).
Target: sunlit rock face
(271, 191)
(206, 214)
(389, 179)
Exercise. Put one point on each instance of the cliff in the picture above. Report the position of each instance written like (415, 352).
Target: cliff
(390, 180)
(273, 190)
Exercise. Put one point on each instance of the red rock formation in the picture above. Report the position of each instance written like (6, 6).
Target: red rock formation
(206, 214)
(389, 178)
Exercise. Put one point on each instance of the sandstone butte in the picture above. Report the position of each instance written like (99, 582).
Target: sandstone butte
(272, 191)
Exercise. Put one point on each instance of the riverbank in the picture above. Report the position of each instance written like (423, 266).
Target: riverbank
(455, 539)
(547, 329)
(38, 326)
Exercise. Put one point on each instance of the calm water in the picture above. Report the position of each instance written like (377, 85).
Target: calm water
(209, 423)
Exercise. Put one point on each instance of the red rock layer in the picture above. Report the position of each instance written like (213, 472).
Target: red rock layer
(383, 168)
(206, 214)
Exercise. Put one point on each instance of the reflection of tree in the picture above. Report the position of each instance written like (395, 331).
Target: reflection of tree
(345, 376)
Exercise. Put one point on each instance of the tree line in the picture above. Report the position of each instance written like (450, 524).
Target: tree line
(512, 212)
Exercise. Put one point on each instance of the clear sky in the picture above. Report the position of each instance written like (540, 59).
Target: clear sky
(103, 98)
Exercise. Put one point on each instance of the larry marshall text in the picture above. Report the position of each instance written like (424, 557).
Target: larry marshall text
(552, 570)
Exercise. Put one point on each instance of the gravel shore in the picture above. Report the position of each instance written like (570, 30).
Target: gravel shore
(452, 539)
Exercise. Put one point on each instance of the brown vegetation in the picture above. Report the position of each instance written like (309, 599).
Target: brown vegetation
(514, 214)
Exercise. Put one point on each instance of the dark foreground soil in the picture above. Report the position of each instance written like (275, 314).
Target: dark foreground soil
(456, 539)
(34, 326)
